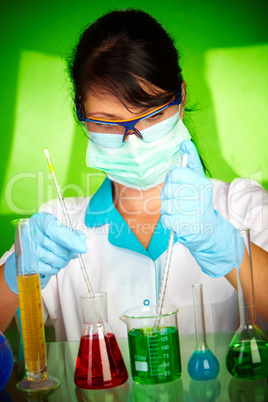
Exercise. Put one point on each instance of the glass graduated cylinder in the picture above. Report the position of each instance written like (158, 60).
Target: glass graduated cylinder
(247, 356)
(99, 364)
(32, 325)
(154, 351)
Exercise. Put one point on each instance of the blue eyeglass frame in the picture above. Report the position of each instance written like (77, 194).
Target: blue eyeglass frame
(129, 125)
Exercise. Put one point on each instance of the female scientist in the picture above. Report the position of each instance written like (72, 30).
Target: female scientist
(130, 99)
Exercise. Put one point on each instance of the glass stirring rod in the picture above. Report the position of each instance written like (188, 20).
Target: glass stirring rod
(163, 286)
(68, 221)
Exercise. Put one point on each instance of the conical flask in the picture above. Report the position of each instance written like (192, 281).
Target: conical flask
(247, 356)
(99, 362)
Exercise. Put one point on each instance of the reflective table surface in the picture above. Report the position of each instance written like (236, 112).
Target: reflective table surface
(61, 358)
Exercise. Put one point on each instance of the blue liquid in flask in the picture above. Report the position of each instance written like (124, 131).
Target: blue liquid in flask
(203, 365)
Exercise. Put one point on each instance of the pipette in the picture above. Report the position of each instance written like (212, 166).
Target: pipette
(164, 279)
(68, 221)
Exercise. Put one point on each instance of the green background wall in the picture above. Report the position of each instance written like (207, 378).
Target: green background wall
(224, 55)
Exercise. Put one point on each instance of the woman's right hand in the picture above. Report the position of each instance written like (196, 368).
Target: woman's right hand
(187, 209)
(54, 246)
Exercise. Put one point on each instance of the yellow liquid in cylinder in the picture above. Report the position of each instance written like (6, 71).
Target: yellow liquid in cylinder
(32, 324)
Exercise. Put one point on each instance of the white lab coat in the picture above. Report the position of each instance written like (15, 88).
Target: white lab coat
(130, 277)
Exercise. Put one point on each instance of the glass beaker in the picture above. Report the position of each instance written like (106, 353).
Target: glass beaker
(154, 350)
(247, 356)
(32, 324)
(203, 364)
(99, 362)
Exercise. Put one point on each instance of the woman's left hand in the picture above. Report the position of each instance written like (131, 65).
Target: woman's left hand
(187, 209)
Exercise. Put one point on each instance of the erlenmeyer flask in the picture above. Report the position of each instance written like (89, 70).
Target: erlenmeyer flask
(99, 362)
(247, 356)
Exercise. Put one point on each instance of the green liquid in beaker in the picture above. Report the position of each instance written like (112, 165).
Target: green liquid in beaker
(248, 359)
(154, 355)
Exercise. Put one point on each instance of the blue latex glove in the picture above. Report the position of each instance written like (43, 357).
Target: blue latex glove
(187, 209)
(54, 246)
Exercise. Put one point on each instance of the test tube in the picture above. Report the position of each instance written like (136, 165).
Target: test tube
(32, 325)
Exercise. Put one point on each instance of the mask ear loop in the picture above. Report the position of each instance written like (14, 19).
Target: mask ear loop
(180, 109)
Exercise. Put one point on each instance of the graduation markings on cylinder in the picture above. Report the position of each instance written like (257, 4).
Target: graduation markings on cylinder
(157, 352)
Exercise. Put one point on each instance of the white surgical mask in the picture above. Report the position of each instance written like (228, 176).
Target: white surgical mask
(140, 164)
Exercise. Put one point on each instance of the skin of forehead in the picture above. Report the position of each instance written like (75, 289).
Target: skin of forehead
(106, 106)
(109, 107)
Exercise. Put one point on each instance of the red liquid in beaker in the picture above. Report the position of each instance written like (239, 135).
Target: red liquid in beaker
(99, 363)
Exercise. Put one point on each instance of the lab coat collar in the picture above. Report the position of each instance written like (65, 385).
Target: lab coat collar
(101, 211)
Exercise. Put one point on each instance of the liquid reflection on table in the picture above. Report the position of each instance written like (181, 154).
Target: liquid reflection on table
(61, 364)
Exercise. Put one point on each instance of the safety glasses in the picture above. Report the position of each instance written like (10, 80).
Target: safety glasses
(124, 127)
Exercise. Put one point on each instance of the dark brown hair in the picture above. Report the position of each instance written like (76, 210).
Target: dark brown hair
(121, 51)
